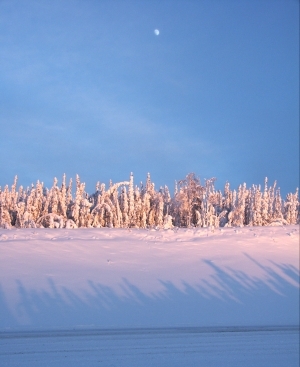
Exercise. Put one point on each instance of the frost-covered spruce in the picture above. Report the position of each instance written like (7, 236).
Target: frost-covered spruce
(125, 205)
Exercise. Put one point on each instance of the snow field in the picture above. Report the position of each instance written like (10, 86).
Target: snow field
(116, 278)
(210, 347)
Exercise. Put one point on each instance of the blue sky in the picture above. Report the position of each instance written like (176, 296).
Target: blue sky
(87, 87)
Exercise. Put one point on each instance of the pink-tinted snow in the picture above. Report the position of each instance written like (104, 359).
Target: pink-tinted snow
(102, 278)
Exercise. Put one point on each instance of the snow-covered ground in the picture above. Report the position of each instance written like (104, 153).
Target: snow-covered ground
(262, 347)
(88, 280)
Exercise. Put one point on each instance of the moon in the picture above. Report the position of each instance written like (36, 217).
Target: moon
(156, 32)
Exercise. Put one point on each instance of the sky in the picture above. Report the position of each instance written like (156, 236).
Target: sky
(88, 88)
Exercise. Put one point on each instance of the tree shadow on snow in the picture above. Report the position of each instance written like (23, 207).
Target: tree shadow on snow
(228, 298)
(6, 317)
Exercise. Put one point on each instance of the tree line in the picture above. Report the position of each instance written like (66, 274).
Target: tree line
(125, 205)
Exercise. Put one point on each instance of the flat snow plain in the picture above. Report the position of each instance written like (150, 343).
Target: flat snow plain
(122, 297)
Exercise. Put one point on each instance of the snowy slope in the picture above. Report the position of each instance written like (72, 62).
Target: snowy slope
(103, 278)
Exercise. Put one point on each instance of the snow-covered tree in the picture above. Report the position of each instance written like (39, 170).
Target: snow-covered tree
(123, 205)
(291, 208)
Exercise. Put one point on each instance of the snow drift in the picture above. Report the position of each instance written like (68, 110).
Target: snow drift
(104, 278)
